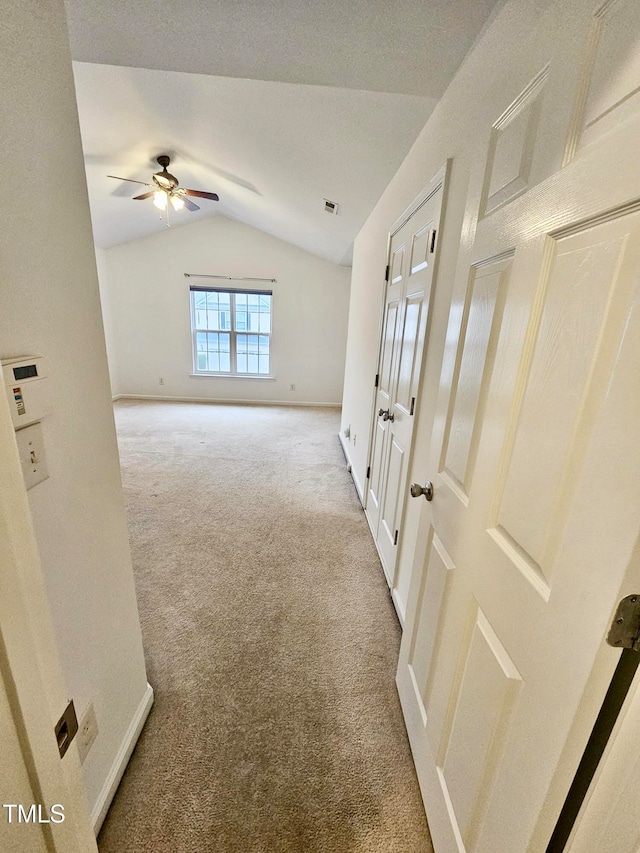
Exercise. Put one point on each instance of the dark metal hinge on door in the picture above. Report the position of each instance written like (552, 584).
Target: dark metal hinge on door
(395, 538)
(625, 628)
(375, 384)
(368, 472)
(432, 247)
(624, 634)
(413, 404)
(386, 273)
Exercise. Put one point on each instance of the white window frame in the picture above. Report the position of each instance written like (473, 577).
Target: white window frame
(232, 332)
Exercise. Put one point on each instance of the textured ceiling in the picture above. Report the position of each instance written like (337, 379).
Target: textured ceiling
(274, 106)
(403, 46)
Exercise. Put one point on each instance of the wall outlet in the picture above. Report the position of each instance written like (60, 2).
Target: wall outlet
(292, 387)
(87, 731)
(161, 380)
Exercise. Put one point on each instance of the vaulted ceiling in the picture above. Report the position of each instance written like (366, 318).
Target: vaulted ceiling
(275, 106)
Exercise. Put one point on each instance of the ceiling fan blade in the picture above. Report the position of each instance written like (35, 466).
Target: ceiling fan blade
(144, 195)
(201, 194)
(190, 205)
(131, 181)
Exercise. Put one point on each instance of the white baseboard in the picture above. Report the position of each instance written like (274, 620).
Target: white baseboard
(397, 603)
(228, 401)
(122, 759)
(345, 449)
(359, 488)
(356, 482)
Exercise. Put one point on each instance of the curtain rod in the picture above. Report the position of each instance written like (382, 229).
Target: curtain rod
(228, 277)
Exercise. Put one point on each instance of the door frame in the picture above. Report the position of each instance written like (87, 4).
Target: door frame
(29, 662)
(439, 180)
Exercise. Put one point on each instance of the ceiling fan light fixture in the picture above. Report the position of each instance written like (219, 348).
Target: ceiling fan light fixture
(164, 187)
(160, 199)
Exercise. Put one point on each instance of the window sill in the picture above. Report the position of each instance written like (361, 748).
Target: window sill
(260, 376)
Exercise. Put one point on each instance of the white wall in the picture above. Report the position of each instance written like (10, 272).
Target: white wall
(149, 299)
(511, 51)
(109, 334)
(49, 306)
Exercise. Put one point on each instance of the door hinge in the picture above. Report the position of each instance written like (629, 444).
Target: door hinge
(368, 472)
(395, 538)
(386, 273)
(66, 728)
(624, 634)
(413, 405)
(432, 247)
(375, 384)
(625, 628)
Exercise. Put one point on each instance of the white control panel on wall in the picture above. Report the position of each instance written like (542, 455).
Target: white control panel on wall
(27, 389)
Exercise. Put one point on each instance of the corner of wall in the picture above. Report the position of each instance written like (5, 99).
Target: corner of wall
(107, 319)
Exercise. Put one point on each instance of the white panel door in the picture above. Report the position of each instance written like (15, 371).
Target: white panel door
(531, 537)
(387, 370)
(412, 256)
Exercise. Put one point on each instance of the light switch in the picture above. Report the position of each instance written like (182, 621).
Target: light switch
(32, 455)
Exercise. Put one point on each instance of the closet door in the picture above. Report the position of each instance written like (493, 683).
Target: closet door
(412, 256)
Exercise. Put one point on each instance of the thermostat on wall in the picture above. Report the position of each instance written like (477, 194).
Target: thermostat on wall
(27, 389)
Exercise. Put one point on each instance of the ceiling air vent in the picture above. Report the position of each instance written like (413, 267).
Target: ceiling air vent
(330, 207)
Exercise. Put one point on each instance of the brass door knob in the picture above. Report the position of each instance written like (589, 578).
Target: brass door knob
(427, 490)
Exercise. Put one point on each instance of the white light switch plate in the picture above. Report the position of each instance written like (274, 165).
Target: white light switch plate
(32, 455)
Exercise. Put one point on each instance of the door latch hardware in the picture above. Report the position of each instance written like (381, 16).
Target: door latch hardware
(427, 490)
(66, 728)
(625, 628)
(386, 415)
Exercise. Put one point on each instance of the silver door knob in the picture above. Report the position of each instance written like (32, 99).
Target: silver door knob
(383, 413)
(427, 490)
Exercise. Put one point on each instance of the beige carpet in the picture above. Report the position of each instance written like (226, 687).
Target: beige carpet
(270, 638)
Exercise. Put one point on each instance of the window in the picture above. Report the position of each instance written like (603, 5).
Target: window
(231, 331)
